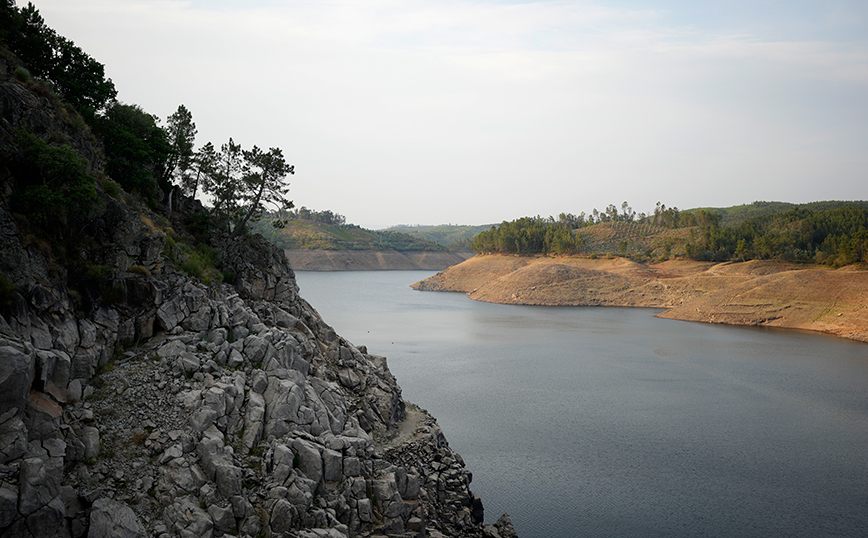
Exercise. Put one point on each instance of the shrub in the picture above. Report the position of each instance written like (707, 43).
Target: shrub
(22, 74)
(55, 186)
(191, 267)
(8, 293)
(140, 270)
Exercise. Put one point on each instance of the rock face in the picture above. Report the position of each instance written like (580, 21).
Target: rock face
(238, 417)
(199, 411)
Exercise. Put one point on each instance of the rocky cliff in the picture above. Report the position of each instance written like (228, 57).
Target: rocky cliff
(168, 407)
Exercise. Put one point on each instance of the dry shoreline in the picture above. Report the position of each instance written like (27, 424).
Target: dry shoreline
(764, 293)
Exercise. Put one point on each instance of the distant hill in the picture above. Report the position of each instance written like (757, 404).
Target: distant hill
(312, 230)
(734, 215)
(454, 237)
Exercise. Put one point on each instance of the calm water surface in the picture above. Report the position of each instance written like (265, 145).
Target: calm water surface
(611, 422)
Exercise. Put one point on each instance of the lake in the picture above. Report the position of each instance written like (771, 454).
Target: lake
(612, 422)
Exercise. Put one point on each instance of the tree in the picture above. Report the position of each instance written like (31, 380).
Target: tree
(223, 182)
(78, 78)
(263, 184)
(135, 146)
(244, 183)
(204, 162)
(181, 135)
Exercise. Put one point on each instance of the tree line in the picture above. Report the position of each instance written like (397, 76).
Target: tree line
(836, 236)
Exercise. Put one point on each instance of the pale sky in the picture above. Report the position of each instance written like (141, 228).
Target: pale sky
(479, 111)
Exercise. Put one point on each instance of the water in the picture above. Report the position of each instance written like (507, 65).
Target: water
(611, 422)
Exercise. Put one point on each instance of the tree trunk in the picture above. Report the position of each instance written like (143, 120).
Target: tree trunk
(240, 226)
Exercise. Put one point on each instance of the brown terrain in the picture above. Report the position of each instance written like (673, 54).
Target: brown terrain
(768, 293)
(372, 260)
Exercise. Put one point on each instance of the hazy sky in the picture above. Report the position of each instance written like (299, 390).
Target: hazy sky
(479, 111)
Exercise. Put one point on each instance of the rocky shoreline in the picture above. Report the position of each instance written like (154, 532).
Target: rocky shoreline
(240, 411)
(756, 293)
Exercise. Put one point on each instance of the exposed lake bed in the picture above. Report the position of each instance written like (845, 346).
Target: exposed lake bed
(611, 422)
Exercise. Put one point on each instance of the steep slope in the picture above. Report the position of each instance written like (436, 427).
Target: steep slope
(147, 403)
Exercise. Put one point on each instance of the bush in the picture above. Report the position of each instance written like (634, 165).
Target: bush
(22, 74)
(8, 293)
(191, 267)
(55, 187)
(140, 270)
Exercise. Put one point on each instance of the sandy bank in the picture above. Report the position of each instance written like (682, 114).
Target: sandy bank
(372, 260)
(768, 293)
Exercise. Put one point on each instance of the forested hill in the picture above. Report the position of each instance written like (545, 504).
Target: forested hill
(454, 237)
(309, 229)
(737, 214)
(834, 233)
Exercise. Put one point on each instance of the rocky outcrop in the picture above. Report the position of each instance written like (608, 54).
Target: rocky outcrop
(239, 416)
(192, 410)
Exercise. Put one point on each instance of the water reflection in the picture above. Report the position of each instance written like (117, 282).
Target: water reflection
(611, 422)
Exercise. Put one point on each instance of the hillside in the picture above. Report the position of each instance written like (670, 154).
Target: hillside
(372, 260)
(766, 293)
(737, 214)
(456, 237)
(308, 234)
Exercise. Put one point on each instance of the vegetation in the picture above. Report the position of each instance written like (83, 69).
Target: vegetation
(454, 237)
(835, 233)
(305, 228)
(55, 192)
(77, 77)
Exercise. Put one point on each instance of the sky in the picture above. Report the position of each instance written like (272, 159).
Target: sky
(480, 111)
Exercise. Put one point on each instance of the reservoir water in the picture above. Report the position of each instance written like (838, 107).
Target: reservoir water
(610, 422)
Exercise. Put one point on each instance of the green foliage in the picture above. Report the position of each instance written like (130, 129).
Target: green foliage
(181, 135)
(22, 74)
(135, 146)
(49, 56)
(321, 230)
(54, 190)
(527, 236)
(836, 237)
(8, 293)
(454, 237)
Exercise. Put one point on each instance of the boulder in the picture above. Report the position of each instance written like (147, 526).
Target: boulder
(112, 519)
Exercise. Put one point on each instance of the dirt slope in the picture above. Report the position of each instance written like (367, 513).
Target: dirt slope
(372, 260)
(752, 293)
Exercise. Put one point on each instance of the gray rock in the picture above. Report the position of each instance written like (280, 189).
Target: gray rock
(172, 349)
(332, 465)
(16, 375)
(188, 520)
(224, 520)
(283, 517)
(112, 519)
(90, 438)
(309, 459)
(8, 504)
